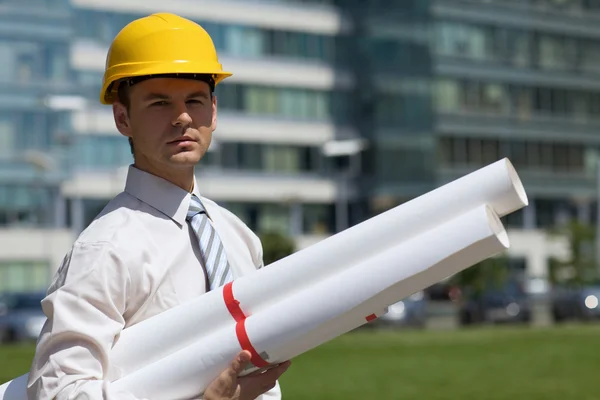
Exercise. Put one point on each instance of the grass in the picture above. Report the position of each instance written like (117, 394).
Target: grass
(492, 364)
(15, 361)
(533, 364)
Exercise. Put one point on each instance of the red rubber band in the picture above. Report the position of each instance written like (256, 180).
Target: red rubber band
(232, 304)
(240, 329)
(242, 335)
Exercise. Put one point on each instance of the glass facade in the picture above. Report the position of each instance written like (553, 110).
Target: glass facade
(25, 204)
(482, 43)
(34, 49)
(272, 158)
(455, 96)
(553, 102)
(285, 103)
(396, 105)
(23, 276)
(102, 152)
(229, 39)
(516, 47)
(317, 219)
(549, 5)
(393, 100)
(526, 155)
(267, 101)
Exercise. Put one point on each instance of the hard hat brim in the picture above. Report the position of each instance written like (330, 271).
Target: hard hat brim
(131, 70)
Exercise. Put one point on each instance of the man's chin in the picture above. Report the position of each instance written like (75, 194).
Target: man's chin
(185, 159)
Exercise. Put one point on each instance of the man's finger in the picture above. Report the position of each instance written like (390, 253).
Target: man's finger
(257, 385)
(275, 373)
(263, 370)
(268, 377)
(239, 363)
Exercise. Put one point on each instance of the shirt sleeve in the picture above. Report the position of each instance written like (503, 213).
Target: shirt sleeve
(84, 309)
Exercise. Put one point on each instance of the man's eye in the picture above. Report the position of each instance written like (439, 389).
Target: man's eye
(159, 103)
(194, 101)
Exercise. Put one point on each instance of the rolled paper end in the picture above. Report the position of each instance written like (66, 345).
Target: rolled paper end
(516, 182)
(497, 227)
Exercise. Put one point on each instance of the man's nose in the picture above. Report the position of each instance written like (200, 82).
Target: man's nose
(181, 117)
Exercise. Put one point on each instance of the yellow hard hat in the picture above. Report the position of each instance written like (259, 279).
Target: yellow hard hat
(159, 44)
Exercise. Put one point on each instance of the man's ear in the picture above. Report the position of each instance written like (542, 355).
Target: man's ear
(214, 113)
(122, 119)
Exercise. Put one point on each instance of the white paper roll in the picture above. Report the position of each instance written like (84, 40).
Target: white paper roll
(287, 328)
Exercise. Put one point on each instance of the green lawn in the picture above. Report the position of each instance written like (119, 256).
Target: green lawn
(502, 363)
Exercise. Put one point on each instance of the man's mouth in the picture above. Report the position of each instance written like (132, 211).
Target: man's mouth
(184, 139)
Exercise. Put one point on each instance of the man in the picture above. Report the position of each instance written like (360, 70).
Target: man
(159, 243)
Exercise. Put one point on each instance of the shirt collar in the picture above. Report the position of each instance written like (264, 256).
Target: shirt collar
(160, 194)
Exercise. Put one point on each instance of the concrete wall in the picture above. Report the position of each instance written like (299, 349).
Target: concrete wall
(35, 245)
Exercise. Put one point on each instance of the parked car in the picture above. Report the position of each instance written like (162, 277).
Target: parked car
(576, 303)
(443, 291)
(409, 312)
(507, 302)
(21, 316)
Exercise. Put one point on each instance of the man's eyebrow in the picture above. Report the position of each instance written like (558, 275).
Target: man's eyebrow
(156, 96)
(161, 96)
(198, 94)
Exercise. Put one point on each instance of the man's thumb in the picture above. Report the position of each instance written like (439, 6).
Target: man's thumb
(240, 362)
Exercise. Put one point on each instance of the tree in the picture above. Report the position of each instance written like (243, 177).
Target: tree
(276, 246)
(580, 268)
(491, 272)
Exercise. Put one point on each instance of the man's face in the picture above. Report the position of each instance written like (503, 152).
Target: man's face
(170, 122)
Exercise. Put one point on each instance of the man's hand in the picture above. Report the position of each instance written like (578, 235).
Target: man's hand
(228, 386)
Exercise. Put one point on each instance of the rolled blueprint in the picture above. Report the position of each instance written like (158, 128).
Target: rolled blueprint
(496, 185)
(283, 330)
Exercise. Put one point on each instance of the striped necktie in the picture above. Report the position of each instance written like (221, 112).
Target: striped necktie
(211, 248)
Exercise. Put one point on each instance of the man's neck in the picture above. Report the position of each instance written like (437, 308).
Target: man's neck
(183, 178)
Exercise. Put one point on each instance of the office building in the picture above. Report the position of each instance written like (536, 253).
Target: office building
(336, 111)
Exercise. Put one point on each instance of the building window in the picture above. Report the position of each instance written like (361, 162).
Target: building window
(102, 152)
(25, 205)
(472, 97)
(553, 157)
(289, 103)
(459, 96)
(244, 41)
(57, 63)
(26, 69)
(464, 41)
(274, 218)
(7, 135)
(553, 52)
(590, 56)
(270, 158)
(517, 46)
(19, 276)
(318, 219)
(448, 96)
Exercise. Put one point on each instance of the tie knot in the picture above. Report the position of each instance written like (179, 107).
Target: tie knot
(196, 207)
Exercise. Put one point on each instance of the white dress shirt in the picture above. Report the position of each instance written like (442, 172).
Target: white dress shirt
(138, 258)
